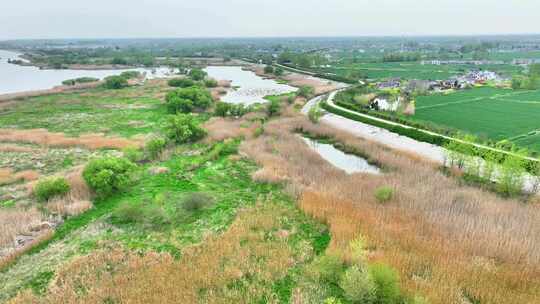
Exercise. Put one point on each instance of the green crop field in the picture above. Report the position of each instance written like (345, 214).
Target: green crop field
(491, 113)
(415, 70)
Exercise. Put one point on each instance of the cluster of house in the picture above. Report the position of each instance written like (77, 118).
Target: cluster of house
(455, 82)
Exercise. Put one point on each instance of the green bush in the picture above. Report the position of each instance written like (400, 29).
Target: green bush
(268, 69)
(315, 114)
(384, 194)
(181, 82)
(386, 284)
(133, 154)
(183, 128)
(146, 214)
(109, 174)
(130, 74)
(197, 74)
(51, 187)
(155, 146)
(306, 91)
(273, 108)
(196, 201)
(327, 268)
(210, 83)
(358, 286)
(115, 82)
(79, 80)
(186, 99)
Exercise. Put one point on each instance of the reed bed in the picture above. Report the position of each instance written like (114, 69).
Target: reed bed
(451, 243)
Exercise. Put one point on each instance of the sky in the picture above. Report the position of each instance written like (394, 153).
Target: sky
(264, 18)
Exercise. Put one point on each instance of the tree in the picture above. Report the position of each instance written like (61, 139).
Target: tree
(181, 82)
(115, 82)
(119, 61)
(187, 99)
(183, 128)
(197, 74)
(273, 108)
(268, 69)
(306, 91)
(278, 71)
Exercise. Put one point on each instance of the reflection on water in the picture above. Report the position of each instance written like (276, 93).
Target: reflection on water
(250, 88)
(15, 78)
(346, 162)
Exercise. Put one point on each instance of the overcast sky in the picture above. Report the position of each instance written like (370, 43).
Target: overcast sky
(254, 18)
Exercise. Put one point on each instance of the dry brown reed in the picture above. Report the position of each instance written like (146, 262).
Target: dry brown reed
(224, 128)
(46, 138)
(449, 242)
(17, 221)
(208, 273)
(8, 176)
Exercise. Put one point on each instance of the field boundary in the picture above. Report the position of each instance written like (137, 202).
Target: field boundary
(412, 132)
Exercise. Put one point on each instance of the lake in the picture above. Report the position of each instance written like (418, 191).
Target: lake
(15, 78)
(339, 159)
(247, 87)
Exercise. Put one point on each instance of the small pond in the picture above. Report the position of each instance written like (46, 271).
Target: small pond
(346, 162)
(247, 87)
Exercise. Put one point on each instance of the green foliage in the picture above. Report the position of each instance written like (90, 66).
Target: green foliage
(133, 154)
(210, 83)
(273, 108)
(278, 71)
(269, 69)
(306, 92)
(146, 214)
(108, 175)
(196, 201)
(115, 82)
(183, 128)
(51, 187)
(75, 81)
(186, 99)
(130, 74)
(119, 61)
(511, 177)
(315, 114)
(259, 131)
(155, 146)
(181, 82)
(327, 269)
(225, 109)
(387, 284)
(197, 74)
(358, 285)
(383, 194)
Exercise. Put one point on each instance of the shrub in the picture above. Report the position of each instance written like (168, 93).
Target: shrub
(222, 109)
(79, 80)
(358, 285)
(186, 99)
(210, 83)
(119, 61)
(147, 214)
(196, 201)
(327, 268)
(278, 71)
(315, 114)
(273, 108)
(155, 146)
(268, 69)
(107, 175)
(386, 284)
(130, 74)
(115, 82)
(133, 154)
(384, 194)
(51, 187)
(184, 128)
(306, 91)
(197, 74)
(181, 82)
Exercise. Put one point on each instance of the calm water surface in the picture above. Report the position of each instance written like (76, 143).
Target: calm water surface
(248, 88)
(15, 78)
(346, 162)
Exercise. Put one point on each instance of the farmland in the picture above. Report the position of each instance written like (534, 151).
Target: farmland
(490, 113)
